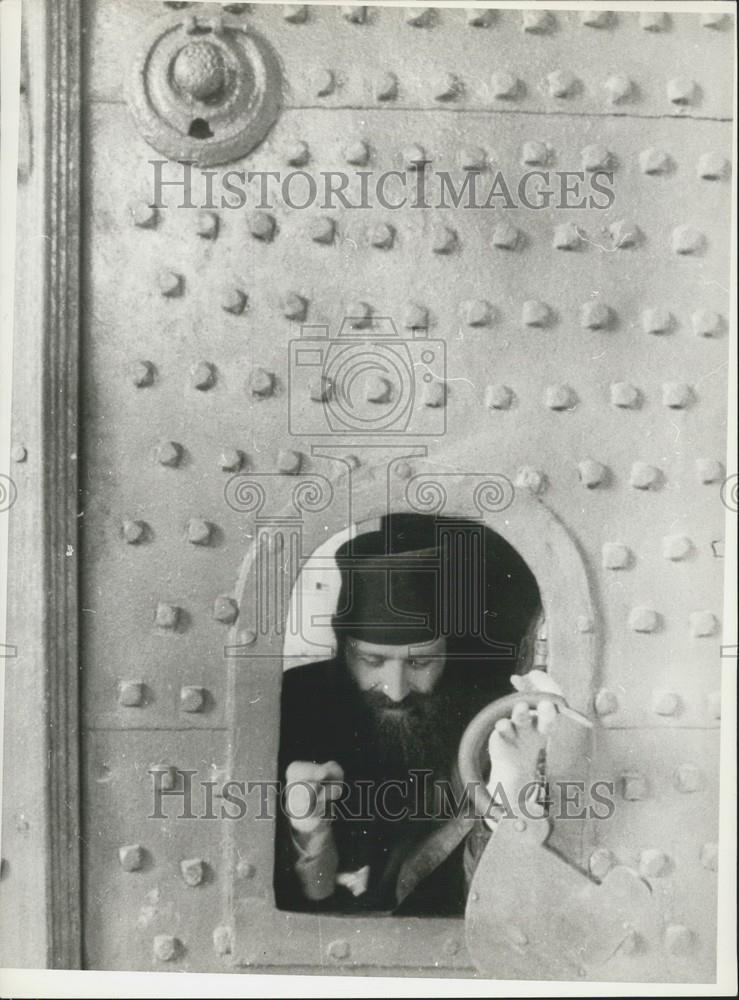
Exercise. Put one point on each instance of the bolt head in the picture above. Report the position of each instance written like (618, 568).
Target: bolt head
(676, 395)
(450, 89)
(506, 236)
(444, 240)
(644, 620)
(355, 15)
(225, 609)
(504, 86)
(562, 83)
(653, 863)
(656, 321)
(687, 778)
(666, 703)
(498, 397)
(322, 230)
(261, 383)
(619, 88)
(295, 307)
(193, 871)
(207, 225)
(644, 476)
(131, 857)
(387, 87)
(166, 947)
(592, 473)
(421, 19)
(687, 240)
(567, 237)
(605, 703)
(634, 787)
(171, 284)
(624, 234)
(169, 453)
(478, 312)
(166, 616)
(597, 18)
(707, 323)
(339, 950)
(320, 389)
(625, 395)
(596, 157)
(359, 315)
(600, 862)
(678, 940)
(538, 22)
(297, 154)
(713, 167)
(378, 390)
(676, 547)
(480, 18)
(262, 226)
(596, 316)
(383, 236)
(289, 462)
(296, 13)
(716, 20)
(559, 397)
(709, 470)
(142, 374)
(532, 480)
(473, 158)
(654, 21)
(416, 318)
(655, 161)
(616, 555)
(131, 694)
(199, 532)
(535, 154)
(143, 215)
(434, 394)
(703, 624)
(231, 460)
(133, 531)
(202, 375)
(357, 154)
(325, 83)
(681, 91)
(535, 313)
(233, 301)
(19, 453)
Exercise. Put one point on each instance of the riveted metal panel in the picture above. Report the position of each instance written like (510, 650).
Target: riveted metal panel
(594, 375)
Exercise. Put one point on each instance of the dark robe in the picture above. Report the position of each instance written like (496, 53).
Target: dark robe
(323, 719)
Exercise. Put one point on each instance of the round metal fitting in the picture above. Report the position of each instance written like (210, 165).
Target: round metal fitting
(205, 89)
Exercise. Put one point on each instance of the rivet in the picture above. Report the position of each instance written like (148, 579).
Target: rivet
(142, 374)
(169, 453)
(678, 940)
(654, 21)
(19, 453)
(562, 83)
(535, 154)
(451, 947)
(709, 857)
(676, 395)
(387, 87)
(199, 532)
(624, 234)
(295, 13)
(322, 230)
(596, 316)
(383, 236)
(584, 625)
(478, 312)
(655, 161)
(559, 397)
(207, 225)
(715, 20)
(325, 83)
(133, 531)
(480, 18)
(616, 555)
(262, 226)
(233, 301)
(687, 240)
(631, 944)
(519, 826)
(681, 91)
(415, 157)
(378, 390)
(403, 470)
(531, 479)
(566, 236)
(167, 776)
(245, 869)
(355, 15)
(166, 616)
(619, 88)
(193, 871)
(434, 394)
(656, 321)
(666, 703)
(202, 375)
(506, 236)
(498, 397)
(592, 473)
(625, 395)
(713, 704)
(357, 153)
(687, 778)
(712, 167)
(706, 323)
(165, 947)
(422, 18)
(443, 240)
(717, 547)
(596, 157)
(644, 476)
(709, 470)
(634, 787)
(225, 609)
(535, 313)
(475, 897)
(295, 307)
(505, 86)
(261, 383)
(171, 284)
(131, 857)
(644, 620)
(298, 153)
(653, 863)
(449, 89)
(597, 18)
(605, 702)
(143, 215)
(416, 317)
(223, 939)
(538, 22)
(320, 389)
(192, 699)
(676, 547)
(289, 462)
(473, 158)
(339, 949)
(231, 459)
(131, 694)
(703, 623)
(600, 862)
(359, 315)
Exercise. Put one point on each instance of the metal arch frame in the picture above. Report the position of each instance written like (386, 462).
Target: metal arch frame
(42, 698)
(268, 937)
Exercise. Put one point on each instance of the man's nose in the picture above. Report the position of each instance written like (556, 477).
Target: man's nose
(395, 683)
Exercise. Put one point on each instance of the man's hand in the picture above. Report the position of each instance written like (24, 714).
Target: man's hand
(309, 788)
(514, 747)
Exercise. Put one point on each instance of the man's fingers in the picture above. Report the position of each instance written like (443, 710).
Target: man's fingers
(521, 715)
(330, 771)
(546, 716)
(506, 730)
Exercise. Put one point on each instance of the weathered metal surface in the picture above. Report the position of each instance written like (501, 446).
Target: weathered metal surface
(566, 370)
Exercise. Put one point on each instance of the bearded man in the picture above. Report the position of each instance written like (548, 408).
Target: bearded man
(369, 741)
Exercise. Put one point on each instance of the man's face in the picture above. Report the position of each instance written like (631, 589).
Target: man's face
(395, 672)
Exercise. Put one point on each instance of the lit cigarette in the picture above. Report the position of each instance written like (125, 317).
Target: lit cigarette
(578, 717)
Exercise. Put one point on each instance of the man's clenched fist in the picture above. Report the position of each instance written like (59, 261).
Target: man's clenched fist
(309, 788)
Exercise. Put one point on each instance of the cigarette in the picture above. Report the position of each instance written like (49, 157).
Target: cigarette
(575, 716)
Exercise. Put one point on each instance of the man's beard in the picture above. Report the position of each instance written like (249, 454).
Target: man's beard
(415, 734)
